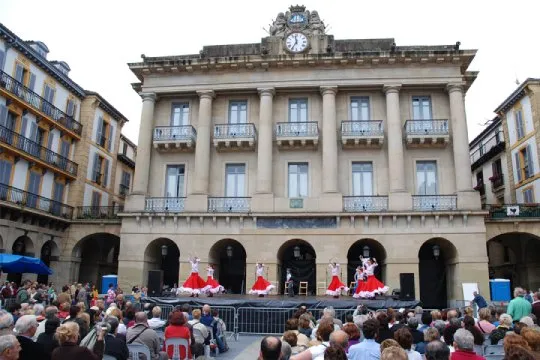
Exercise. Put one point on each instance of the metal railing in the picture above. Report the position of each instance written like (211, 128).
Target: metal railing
(511, 211)
(496, 181)
(234, 131)
(229, 204)
(174, 133)
(434, 202)
(365, 203)
(426, 127)
(165, 204)
(33, 201)
(36, 150)
(362, 128)
(485, 147)
(99, 212)
(37, 102)
(297, 129)
(123, 190)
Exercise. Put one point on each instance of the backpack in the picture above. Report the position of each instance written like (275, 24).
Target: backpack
(90, 339)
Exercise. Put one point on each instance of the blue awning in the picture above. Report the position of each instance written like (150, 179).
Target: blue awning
(23, 264)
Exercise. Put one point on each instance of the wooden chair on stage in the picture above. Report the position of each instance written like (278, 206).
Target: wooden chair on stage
(285, 289)
(303, 288)
(321, 285)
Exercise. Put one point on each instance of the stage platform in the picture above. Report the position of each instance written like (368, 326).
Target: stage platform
(284, 302)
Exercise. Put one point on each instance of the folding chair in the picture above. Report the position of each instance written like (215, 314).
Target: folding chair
(321, 285)
(178, 343)
(135, 350)
(303, 288)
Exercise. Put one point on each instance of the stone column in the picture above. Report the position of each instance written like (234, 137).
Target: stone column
(142, 169)
(264, 147)
(329, 140)
(399, 198)
(467, 197)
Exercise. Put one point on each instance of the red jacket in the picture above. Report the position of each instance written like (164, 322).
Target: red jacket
(465, 355)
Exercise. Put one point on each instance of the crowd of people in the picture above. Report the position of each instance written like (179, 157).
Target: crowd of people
(412, 334)
(75, 324)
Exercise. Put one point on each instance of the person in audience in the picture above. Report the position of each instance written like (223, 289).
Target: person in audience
(449, 331)
(469, 324)
(388, 343)
(286, 351)
(304, 325)
(177, 329)
(405, 340)
(394, 353)
(479, 300)
(354, 335)
(114, 346)
(536, 304)
(527, 320)
(532, 336)
(335, 353)
(418, 336)
(513, 340)
(437, 350)
(117, 313)
(519, 353)
(9, 347)
(50, 313)
(339, 338)
(200, 332)
(206, 316)
(142, 333)
(328, 314)
(367, 349)
(325, 328)
(484, 321)
(155, 322)
(270, 348)
(426, 322)
(291, 338)
(505, 324)
(519, 306)
(464, 346)
(6, 323)
(67, 335)
(292, 325)
(436, 315)
(48, 338)
(384, 331)
(26, 327)
(219, 327)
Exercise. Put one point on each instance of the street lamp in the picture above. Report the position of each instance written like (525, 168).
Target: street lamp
(365, 251)
(164, 250)
(436, 251)
(229, 251)
(296, 251)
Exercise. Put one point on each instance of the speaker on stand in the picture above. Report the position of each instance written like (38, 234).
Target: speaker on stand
(155, 282)
(406, 284)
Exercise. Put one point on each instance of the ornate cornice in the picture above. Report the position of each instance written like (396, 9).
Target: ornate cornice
(391, 88)
(328, 90)
(206, 94)
(266, 91)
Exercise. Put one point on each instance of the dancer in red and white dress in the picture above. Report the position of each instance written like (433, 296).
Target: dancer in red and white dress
(372, 286)
(194, 283)
(262, 286)
(212, 286)
(336, 286)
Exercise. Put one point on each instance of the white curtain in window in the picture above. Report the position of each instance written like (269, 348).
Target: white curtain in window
(422, 108)
(180, 115)
(175, 181)
(235, 181)
(362, 176)
(298, 180)
(426, 178)
(360, 109)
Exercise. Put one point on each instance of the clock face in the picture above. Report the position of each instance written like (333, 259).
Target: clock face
(296, 42)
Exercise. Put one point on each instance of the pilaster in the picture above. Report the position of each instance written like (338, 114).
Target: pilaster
(329, 140)
(202, 149)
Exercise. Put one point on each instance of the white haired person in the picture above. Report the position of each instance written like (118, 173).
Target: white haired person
(26, 327)
(262, 286)
(336, 286)
(9, 347)
(212, 286)
(194, 283)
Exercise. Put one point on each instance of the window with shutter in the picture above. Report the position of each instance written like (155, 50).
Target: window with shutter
(2, 57)
(96, 199)
(32, 82)
(99, 131)
(69, 108)
(106, 173)
(111, 138)
(96, 168)
(518, 167)
(3, 115)
(19, 73)
(528, 195)
(529, 159)
(23, 126)
(5, 172)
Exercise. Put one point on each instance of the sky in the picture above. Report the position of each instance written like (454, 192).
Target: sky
(98, 38)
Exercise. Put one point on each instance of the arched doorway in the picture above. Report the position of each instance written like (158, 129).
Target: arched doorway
(365, 248)
(24, 246)
(2, 250)
(435, 267)
(163, 254)
(49, 253)
(299, 256)
(515, 256)
(99, 256)
(229, 259)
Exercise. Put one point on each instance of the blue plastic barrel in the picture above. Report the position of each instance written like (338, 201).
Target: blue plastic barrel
(500, 290)
(106, 280)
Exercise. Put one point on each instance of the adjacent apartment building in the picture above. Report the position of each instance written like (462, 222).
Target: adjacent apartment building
(302, 148)
(65, 169)
(506, 173)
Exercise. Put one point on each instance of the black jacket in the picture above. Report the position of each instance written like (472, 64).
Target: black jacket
(31, 350)
(116, 347)
(48, 341)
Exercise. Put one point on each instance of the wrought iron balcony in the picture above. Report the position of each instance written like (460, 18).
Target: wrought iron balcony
(229, 204)
(235, 137)
(123, 190)
(512, 211)
(175, 138)
(365, 203)
(165, 204)
(497, 182)
(431, 133)
(362, 133)
(99, 212)
(487, 150)
(34, 151)
(39, 104)
(434, 202)
(297, 134)
(36, 202)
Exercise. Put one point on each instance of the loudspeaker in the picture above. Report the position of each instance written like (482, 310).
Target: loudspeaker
(406, 284)
(155, 282)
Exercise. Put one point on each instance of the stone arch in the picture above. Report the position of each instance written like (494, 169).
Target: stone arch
(373, 248)
(49, 254)
(163, 254)
(299, 256)
(437, 259)
(23, 245)
(229, 259)
(92, 253)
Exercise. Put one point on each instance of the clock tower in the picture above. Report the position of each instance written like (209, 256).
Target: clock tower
(297, 31)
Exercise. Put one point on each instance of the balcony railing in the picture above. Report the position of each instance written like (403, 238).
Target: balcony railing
(297, 129)
(175, 133)
(365, 203)
(362, 128)
(511, 211)
(35, 150)
(426, 127)
(229, 204)
(487, 149)
(36, 202)
(123, 190)
(38, 103)
(234, 131)
(99, 212)
(165, 204)
(434, 202)
(496, 181)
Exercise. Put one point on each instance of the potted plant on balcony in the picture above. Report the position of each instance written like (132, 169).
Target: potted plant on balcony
(479, 187)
